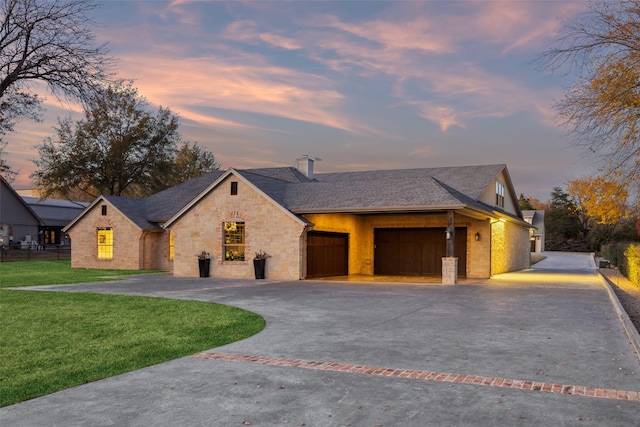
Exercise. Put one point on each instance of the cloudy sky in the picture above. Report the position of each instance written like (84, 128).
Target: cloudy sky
(359, 84)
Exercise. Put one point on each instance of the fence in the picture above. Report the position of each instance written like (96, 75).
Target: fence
(8, 253)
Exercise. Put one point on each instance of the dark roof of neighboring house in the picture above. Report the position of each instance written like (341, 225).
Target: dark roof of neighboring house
(381, 190)
(15, 196)
(537, 218)
(55, 212)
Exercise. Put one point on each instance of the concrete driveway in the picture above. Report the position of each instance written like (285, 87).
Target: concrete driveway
(540, 347)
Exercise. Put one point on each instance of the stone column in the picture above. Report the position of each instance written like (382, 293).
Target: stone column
(449, 270)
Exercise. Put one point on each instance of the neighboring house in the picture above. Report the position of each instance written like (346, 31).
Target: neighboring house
(536, 219)
(408, 222)
(18, 222)
(55, 214)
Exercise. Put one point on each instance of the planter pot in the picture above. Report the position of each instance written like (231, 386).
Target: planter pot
(205, 266)
(258, 267)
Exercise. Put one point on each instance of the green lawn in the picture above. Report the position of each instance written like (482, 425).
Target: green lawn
(31, 273)
(53, 340)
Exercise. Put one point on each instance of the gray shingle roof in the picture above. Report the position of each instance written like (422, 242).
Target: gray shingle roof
(163, 205)
(382, 190)
(134, 209)
(469, 180)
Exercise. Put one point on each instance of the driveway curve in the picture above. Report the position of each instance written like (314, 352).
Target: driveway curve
(538, 347)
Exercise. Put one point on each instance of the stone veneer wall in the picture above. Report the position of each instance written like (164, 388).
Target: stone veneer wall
(267, 228)
(127, 248)
(511, 249)
(361, 236)
(156, 251)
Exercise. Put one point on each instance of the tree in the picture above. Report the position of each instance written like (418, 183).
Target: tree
(602, 108)
(524, 203)
(600, 198)
(5, 169)
(563, 228)
(51, 42)
(119, 148)
(191, 162)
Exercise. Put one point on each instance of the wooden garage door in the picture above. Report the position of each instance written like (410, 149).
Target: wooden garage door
(327, 254)
(416, 251)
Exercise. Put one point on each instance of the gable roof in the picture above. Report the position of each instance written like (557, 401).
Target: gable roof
(4, 187)
(271, 188)
(165, 204)
(408, 190)
(535, 218)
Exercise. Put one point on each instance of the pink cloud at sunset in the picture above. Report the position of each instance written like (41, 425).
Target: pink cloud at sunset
(359, 84)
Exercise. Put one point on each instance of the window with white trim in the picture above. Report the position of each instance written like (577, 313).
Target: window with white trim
(233, 240)
(500, 194)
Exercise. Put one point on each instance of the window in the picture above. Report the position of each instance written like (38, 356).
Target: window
(171, 252)
(234, 188)
(500, 194)
(105, 243)
(104, 209)
(233, 245)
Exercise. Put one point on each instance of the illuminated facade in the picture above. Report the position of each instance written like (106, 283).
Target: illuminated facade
(390, 222)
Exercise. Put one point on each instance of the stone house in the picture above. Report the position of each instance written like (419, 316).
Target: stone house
(449, 221)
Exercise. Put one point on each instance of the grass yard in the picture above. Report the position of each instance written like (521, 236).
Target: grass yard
(50, 341)
(32, 273)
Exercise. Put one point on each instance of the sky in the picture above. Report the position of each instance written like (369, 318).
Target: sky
(359, 84)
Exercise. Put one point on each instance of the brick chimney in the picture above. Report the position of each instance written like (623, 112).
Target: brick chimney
(305, 165)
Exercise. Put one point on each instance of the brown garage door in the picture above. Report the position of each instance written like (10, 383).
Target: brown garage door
(327, 254)
(416, 251)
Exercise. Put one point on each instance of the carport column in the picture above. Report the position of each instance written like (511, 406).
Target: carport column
(450, 262)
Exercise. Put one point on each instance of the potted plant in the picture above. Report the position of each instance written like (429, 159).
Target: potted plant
(204, 263)
(259, 264)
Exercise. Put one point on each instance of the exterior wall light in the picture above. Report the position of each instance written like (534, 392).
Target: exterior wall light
(477, 236)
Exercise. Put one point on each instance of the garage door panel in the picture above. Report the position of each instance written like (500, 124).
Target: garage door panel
(327, 254)
(415, 251)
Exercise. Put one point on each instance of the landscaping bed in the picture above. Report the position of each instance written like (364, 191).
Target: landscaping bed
(627, 293)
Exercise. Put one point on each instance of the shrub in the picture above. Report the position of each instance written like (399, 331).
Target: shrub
(632, 263)
(626, 256)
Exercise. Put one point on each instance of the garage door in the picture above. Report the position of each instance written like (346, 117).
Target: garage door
(327, 254)
(416, 251)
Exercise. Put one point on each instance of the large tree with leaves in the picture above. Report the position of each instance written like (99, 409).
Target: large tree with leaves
(563, 228)
(599, 199)
(602, 107)
(51, 42)
(119, 148)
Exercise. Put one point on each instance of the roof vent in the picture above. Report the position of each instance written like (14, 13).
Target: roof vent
(305, 165)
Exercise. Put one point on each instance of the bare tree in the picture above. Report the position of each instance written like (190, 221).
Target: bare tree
(6, 171)
(602, 107)
(48, 41)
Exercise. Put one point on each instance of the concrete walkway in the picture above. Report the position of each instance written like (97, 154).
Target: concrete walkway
(540, 347)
